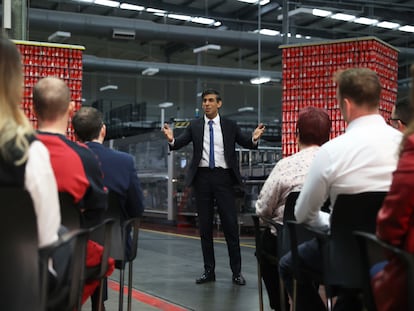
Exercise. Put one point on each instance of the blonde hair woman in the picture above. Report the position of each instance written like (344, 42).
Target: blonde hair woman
(24, 161)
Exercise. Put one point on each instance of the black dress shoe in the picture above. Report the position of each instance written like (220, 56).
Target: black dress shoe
(207, 276)
(239, 279)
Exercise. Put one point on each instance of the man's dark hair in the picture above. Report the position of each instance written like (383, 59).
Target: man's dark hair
(404, 111)
(87, 123)
(313, 126)
(211, 91)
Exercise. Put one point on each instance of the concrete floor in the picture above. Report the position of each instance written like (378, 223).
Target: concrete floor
(165, 270)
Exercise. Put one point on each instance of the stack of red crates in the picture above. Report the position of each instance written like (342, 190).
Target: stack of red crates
(308, 71)
(47, 59)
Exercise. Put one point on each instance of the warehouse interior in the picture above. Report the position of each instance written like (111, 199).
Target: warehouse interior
(157, 51)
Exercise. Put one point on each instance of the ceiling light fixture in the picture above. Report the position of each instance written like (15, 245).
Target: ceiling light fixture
(244, 109)
(407, 28)
(108, 87)
(388, 25)
(150, 71)
(365, 21)
(59, 36)
(132, 7)
(110, 3)
(260, 80)
(321, 13)
(343, 17)
(206, 48)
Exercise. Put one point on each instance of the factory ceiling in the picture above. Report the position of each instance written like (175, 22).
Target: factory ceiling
(216, 34)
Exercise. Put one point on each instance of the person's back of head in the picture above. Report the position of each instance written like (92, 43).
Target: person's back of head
(403, 112)
(361, 85)
(87, 123)
(14, 126)
(51, 99)
(313, 126)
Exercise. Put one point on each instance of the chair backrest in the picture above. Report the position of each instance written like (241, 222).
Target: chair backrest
(69, 211)
(65, 293)
(351, 212)
(283, 238)
(124, 231)
(19, 260)
(373, 252)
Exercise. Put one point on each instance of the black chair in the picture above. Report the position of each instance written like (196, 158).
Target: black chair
(342, 266)
(260, 253)
(19, 260)
(123, 229)
(101, 233)
(63, 293)
(374, 251)
(70, 213)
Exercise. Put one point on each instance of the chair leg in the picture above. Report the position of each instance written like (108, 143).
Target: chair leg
(282, 294)
(129, 285)
(100, 297)
(260, 286)
(121, 289)
(295, 289)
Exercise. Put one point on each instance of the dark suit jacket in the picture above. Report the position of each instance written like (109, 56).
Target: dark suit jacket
(121, 177)
(231, 135)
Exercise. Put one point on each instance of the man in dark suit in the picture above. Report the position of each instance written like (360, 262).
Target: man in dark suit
(120, 175)
(213, 173)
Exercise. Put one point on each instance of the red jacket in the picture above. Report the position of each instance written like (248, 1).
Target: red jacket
(395, 225)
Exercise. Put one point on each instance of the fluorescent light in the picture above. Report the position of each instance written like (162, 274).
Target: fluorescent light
(321, 13)
(268, 32)
(150, 71)
(365, 21)
(388, 25)
(262, 2)
(108, 87)
(110, 3)
(259, 80)
(207, 47)
(180, 17)
(153, 10)
(407, 28)
(59, 36)
(203, 20)
(244, 109)
(166, 105)
(343, 17)
(132, 7)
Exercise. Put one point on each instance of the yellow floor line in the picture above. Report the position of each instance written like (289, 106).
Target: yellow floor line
(217, 240)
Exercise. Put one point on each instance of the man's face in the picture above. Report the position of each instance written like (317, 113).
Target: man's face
(211, 105)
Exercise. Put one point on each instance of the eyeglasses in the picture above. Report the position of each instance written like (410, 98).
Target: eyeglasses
(394, 122)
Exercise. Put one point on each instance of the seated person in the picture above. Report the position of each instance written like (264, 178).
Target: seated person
(24, 161)
(394, 226)
(76, 168)
(312, 130)
(360, 160)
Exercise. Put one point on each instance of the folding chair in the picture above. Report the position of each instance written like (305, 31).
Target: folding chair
(374, 251)
(121, 230)
(19, 260)
(72, 219)
(341, 260)
(65, 293)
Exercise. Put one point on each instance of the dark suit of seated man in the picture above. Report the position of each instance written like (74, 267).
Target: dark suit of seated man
(120, 174)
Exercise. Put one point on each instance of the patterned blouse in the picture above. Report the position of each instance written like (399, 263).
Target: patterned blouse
(288, 175)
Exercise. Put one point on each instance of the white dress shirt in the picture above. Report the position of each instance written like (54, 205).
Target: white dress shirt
(40, 182)
(218, 144)
(360, 160)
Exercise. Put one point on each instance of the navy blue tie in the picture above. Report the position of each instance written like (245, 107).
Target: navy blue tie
(211, 163)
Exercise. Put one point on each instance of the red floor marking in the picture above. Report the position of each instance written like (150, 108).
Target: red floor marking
(147, 299)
